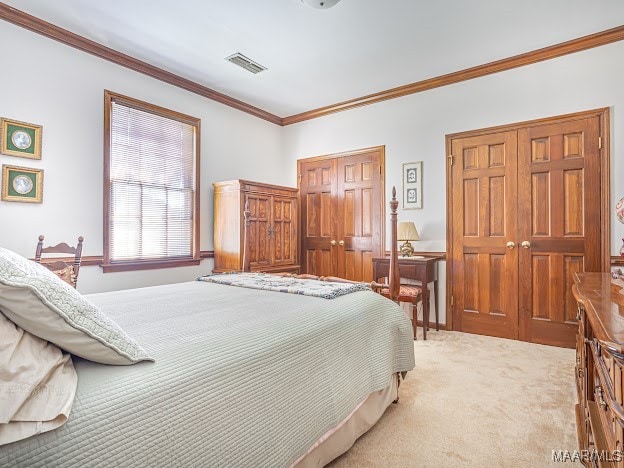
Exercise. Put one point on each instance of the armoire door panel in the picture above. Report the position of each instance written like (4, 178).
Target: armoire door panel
(283, 230)
(259, 225)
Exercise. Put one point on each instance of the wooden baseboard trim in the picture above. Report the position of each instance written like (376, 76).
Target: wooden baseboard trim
(617, 261)
(98, 260)
(432, 326)
(206, 254)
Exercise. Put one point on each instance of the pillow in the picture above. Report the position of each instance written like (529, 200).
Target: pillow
(37, 384)
(38, 301)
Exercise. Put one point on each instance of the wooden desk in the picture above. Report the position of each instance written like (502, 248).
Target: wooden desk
(419, 269)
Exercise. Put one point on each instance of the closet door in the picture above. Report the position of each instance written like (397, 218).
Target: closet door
(527, 210)
(360, 222)
(485, 257)
(317, 187)
(342, 213)
(559, 235)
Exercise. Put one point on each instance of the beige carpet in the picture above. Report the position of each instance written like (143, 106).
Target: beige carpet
(476, 401)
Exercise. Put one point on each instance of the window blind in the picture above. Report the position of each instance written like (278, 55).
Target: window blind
(152, 184)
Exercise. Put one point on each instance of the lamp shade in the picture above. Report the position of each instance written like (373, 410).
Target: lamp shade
(407, 232)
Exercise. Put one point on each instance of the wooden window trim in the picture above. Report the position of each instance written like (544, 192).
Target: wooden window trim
(114, 266)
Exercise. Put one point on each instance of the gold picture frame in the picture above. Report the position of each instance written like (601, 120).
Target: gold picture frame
(20, 139)
(22, 184)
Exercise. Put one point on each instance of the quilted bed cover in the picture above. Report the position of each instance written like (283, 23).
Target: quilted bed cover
(242, 378)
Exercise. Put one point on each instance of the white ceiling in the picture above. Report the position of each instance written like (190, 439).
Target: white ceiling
(320, 57)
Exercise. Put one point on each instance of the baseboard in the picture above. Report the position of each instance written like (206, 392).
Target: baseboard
(432, 325)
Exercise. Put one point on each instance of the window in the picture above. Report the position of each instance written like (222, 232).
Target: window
(151, 186)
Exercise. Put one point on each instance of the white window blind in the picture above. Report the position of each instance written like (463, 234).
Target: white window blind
(152, 172)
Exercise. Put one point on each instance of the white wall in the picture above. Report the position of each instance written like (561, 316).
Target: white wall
(61, 88)
(413, 128)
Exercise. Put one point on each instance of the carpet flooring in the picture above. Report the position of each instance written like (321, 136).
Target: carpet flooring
(476, 401)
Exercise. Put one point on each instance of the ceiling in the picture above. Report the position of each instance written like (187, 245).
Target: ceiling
(316, 57)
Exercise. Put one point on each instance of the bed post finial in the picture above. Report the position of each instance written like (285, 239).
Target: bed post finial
(394, 278)
(246, 214)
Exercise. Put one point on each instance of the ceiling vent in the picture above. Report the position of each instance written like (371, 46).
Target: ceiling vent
(246, 63)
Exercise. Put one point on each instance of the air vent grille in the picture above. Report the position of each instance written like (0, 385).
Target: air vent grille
(246, 63)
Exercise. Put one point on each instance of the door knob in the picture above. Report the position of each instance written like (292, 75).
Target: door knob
(510, 245)
(526, 244)
(341, 242)
(333, 242)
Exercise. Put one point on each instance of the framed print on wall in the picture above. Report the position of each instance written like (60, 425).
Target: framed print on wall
(20, 139)
(22, 184)
(412, 185)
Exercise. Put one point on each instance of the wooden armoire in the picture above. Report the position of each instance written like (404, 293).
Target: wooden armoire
(273, 231)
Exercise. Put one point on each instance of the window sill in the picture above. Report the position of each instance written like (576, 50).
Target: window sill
(148, 265)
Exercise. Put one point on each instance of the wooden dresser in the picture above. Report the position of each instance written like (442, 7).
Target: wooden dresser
(273, 230)
(599, 363)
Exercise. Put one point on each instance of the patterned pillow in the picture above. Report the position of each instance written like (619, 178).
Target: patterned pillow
(38, 301)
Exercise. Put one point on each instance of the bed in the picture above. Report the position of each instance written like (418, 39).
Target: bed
(244, 370)
(241, 377)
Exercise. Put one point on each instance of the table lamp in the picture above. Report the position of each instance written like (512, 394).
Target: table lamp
(407, 232)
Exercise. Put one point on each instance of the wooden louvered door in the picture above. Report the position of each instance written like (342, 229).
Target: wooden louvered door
(342, 213)
(485, 287)
(527, 205)
(559, 235)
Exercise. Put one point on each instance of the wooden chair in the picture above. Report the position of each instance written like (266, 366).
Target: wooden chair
(394, 290)
(67, 272)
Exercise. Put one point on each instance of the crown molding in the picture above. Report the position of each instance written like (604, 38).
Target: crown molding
(32, 23)
(547, 53)
(39, 26)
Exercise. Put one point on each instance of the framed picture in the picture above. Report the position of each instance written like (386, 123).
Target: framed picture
(20, 139)
(412, 185)
(22, 184)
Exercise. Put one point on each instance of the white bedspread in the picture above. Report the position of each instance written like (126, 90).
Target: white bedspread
(242, 378)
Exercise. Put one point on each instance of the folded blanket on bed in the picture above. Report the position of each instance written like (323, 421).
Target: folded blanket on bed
(306, 287)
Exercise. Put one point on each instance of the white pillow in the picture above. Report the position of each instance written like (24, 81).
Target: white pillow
(36, 300)
(37, 384)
